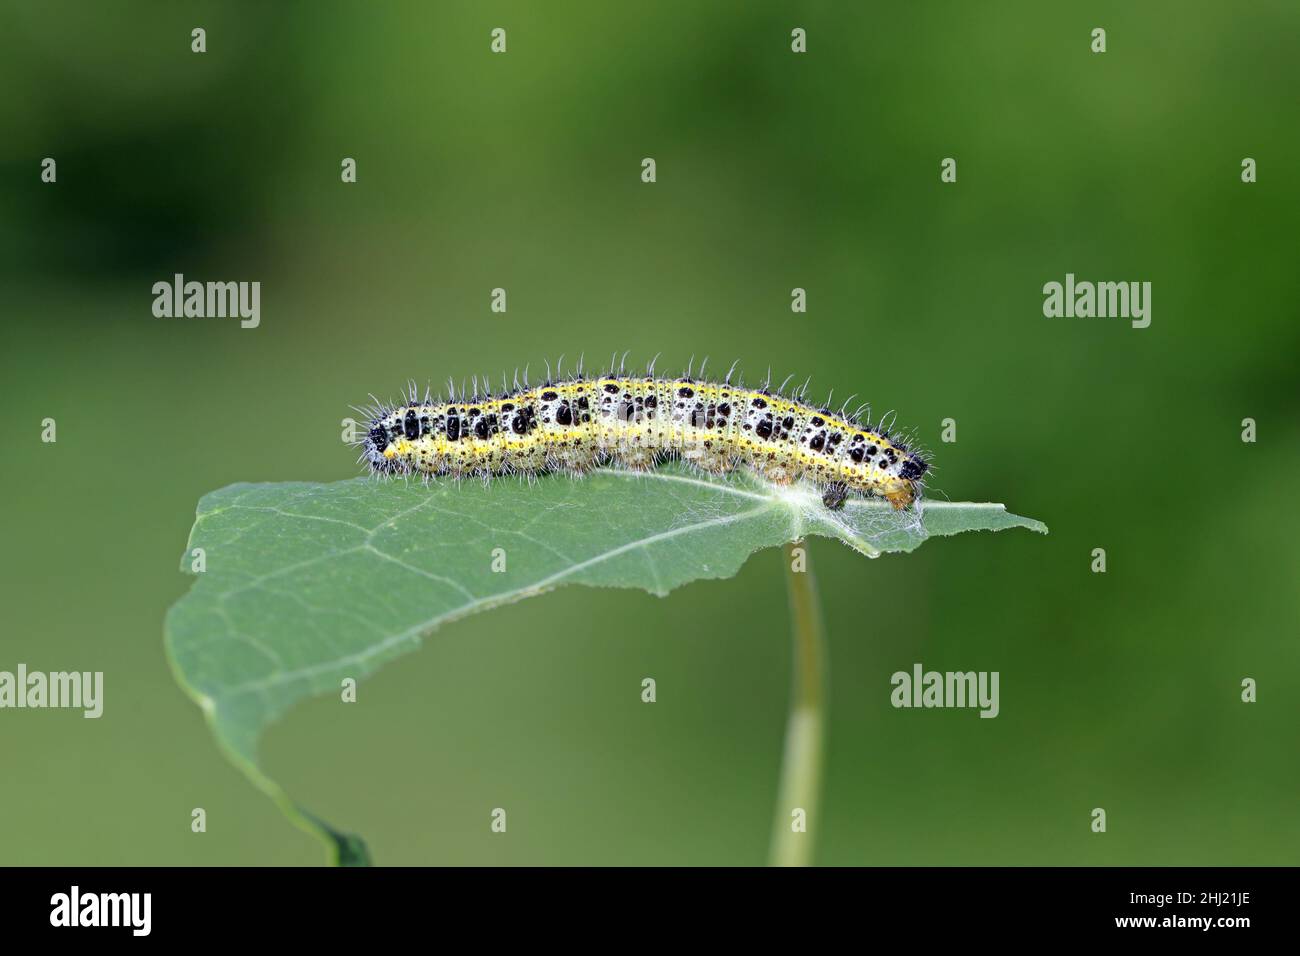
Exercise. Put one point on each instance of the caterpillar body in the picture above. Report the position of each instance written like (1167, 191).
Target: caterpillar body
(577, 423)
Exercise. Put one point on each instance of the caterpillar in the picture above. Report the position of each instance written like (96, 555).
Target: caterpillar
(574, 424)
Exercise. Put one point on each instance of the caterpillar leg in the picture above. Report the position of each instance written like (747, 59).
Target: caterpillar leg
(710, 461)
(774, 470)
(834, 494)
(575, 458)
(901, 497)
(635, 458)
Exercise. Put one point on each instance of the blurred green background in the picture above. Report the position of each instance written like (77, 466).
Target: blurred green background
(775, 170)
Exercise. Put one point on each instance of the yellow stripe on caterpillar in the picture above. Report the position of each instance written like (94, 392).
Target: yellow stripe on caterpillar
(637, 421)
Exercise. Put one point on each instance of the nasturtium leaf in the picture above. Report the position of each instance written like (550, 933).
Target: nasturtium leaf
(285, 607)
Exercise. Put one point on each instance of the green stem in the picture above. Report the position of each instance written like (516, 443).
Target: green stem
(801, 763)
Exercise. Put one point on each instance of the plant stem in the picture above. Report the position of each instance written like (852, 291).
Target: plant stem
(801, 763)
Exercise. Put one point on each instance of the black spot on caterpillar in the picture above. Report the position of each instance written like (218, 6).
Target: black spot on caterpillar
(576, 424)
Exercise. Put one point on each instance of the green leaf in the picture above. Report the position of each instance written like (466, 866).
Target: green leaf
(283, 609)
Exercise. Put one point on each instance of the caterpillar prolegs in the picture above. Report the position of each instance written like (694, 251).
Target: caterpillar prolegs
(576, 424)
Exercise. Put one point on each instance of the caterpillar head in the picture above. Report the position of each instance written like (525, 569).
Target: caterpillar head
(910, 469)
(379, 449)
(913, 468)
